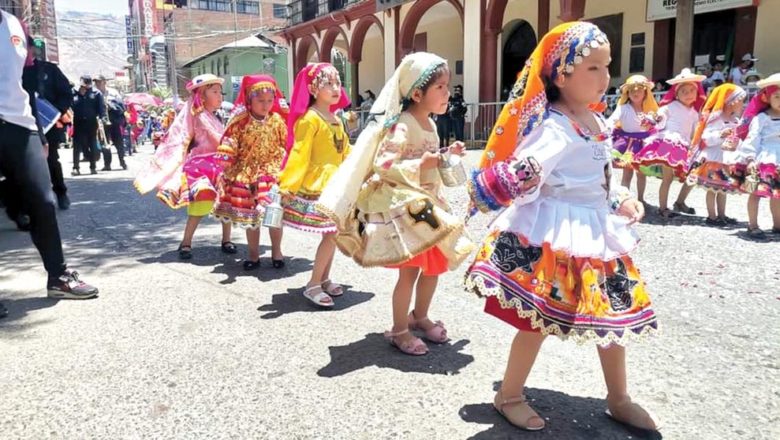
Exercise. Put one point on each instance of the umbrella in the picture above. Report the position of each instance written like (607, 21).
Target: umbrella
(143, 99)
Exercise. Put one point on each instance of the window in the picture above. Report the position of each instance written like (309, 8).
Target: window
(251, 7)
(219, 67)
(280, 10)
(225, 64)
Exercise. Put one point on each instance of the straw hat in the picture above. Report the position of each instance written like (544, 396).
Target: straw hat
(637, 80)
(204, 80)
(686, 76)
(771, 80)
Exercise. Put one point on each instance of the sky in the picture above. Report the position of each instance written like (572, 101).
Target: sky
(113, 7)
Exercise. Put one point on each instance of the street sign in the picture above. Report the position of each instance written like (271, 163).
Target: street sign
(664, 9)
(381, 5)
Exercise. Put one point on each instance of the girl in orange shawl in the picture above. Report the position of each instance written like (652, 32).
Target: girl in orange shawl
(555, 261)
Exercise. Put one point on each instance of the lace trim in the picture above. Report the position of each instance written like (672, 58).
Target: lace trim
(477, 285)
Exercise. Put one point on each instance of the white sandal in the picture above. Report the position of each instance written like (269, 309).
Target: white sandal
(316, 295)
(332, 288)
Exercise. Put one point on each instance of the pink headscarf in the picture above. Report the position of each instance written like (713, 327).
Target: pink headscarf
(306, 82)
(758, 104)
(164, 170)
(671, 95)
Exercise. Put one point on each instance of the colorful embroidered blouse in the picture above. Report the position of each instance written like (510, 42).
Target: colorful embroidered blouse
(253, 152)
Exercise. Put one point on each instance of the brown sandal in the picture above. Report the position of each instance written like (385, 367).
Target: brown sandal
(631, 414)
(518, 415)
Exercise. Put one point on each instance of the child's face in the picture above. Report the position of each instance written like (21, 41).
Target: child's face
(636, 94)
(589, 80)
(261, 102)
(736, 108)
(774, 101)
(436, 98)
(329, 91)
(212, 97)
(686, 94)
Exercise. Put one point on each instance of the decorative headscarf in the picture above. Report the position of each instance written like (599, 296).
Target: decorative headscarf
(308, 83)
(649, 105)
(164, 170)
(339, 196)
(719, 98)
(671, 95)
(556, 54)
(251, 86)
(758, 104)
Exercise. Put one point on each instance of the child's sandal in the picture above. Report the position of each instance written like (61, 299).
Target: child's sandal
(520, 413)
(436, 334)
(631, 414)
(332, 288)
(318, 297)
(412, 347)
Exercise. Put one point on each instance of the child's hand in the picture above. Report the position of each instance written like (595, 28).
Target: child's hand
(429, 160)
(726, 133)
(632, 209)
(458, 148)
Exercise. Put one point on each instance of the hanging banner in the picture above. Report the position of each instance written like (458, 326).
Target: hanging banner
(664, 9)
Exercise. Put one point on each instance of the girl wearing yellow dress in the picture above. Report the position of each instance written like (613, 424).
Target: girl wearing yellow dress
(318, 144)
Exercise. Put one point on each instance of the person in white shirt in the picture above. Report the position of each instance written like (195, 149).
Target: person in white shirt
(738, 73)
(23, 163)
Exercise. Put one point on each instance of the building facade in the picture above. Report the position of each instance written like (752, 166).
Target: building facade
(487, 41)
(190, 29)
(41, 20)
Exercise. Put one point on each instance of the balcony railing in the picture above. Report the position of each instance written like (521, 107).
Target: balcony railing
(301, 11)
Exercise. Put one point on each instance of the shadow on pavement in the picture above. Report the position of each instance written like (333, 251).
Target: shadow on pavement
(19, 309)
(566, 417)
(293, 301)
(374, 350)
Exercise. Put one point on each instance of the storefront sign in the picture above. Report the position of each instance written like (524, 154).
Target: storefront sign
(148, 18)
(663, 9)
(129, 33)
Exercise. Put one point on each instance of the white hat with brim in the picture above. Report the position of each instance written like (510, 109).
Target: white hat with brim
(204, 80)
(686, 76)
(748, 57)
(771, 80)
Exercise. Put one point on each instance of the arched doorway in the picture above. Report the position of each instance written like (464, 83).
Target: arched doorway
(435, 26)
(518, 44)
(367, 51)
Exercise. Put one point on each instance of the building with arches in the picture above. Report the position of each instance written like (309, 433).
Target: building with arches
(487, 41)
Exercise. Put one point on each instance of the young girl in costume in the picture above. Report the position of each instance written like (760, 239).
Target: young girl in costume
(387, 198)
(632, 122)
(251, 152)
(184, 168)
(713, 144)
(670, 147)
(318, 144)
(761, 152)
(555, 261)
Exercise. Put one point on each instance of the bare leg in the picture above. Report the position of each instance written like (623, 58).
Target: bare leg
(613, 364)
(683, 195)
(710, 198)
(322, 259)
(276, 243)
(752, 207)
(226, 229)
(663, 192)
(774, 207)
(641, 183)
(253, 243)
(402, 297)
(628, 173)
(721, 202)
(189, 230)
(522, 356)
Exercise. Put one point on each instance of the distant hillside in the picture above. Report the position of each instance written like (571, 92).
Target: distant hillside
(85, 47)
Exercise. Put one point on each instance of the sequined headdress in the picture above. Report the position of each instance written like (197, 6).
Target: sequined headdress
(557, 54)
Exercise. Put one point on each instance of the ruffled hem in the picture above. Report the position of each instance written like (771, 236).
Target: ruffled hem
(714, 176)
(479, 285)
(669, 151)
(578, 231)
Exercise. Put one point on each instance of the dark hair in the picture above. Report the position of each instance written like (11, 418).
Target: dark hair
(551, 90)
(371, 94)
(435, 75)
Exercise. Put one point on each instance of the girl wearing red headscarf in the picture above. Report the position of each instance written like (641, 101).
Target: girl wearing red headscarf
(251, 152)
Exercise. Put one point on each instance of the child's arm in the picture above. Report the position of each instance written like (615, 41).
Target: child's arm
(228, 148)
(750, 147)
(521, 176)
(291, 178)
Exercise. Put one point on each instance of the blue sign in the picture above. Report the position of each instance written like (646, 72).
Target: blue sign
(129, 33)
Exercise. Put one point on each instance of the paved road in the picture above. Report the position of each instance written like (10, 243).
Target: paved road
(204, 350)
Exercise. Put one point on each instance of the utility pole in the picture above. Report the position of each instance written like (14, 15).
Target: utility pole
(683, 35)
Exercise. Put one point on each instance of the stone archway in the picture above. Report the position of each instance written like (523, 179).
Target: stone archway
(413, 17)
